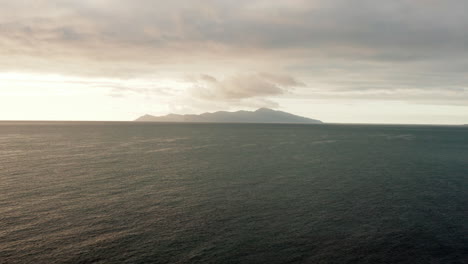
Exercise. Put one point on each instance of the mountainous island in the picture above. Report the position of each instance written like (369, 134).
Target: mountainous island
(262, 115)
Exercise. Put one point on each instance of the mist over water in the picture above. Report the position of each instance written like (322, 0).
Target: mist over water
(232, 193)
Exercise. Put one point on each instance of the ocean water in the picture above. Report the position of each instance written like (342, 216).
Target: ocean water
(232, 193)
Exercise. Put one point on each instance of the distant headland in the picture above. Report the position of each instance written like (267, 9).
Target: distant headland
(262, 115)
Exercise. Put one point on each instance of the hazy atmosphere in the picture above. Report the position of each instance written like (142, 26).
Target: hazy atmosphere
(361, 61)
(234, 131)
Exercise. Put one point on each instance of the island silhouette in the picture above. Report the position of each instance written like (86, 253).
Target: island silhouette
(262, 115)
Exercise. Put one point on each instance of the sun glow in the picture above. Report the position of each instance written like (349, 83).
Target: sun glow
(57, 97)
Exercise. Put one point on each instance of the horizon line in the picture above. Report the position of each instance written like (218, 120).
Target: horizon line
(258, 123)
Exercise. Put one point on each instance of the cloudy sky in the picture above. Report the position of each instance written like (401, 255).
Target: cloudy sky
(364, 61)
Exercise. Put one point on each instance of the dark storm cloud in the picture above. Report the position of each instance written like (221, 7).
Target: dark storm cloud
(359, 44)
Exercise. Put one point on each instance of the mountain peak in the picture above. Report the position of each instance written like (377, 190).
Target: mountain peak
(261, 115)
(264, 109)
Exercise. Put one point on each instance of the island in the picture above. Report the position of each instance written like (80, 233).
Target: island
(262, 115)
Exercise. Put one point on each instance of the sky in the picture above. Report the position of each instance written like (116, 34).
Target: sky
(343, 61)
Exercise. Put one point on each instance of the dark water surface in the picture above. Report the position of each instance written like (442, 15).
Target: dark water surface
(232, 193)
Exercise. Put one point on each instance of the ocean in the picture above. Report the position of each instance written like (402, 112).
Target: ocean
(123, 192)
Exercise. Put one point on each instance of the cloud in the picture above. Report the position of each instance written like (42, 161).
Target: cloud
(420, 96)
(236, 91)
(123, 90)
(161, 32)
(242, 86)
(334, 45)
